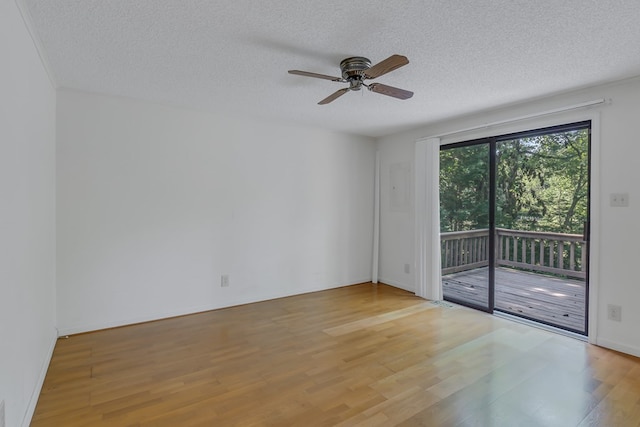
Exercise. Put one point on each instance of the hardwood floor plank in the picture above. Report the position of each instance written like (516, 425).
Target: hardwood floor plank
(376, 320)
(363, 355)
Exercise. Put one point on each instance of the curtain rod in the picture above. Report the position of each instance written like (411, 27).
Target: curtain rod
(528, 116)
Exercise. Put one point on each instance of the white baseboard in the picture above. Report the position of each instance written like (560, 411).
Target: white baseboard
(623, 348)
(244, 299)
(79, 329)
(33, 400)
(395, 284)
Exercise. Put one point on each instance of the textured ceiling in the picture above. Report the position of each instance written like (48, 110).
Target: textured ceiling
(232, 56)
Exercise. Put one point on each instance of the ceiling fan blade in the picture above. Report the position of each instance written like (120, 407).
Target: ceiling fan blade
(334, 96)
(390, 91)
(316, 75)
(391, 63)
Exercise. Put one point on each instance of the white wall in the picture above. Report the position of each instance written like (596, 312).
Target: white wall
(27, 218)
(615, 231)
(156, 203)
(396, 219)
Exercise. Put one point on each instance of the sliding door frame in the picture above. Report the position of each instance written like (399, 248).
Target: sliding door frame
(492, 141)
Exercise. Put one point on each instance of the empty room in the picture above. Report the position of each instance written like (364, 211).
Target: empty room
(333, 213)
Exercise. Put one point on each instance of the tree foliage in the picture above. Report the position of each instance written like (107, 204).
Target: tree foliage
(464, 188)
(541, 184)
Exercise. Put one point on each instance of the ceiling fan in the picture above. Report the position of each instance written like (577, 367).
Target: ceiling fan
(356, 70)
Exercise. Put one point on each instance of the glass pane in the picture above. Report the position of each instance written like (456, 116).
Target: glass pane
(464, 224)
(541, 207)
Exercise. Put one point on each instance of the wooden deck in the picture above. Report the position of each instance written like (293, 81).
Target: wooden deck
(557, 301)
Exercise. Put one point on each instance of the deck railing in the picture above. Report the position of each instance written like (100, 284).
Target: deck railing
(464, 250)
(555, 253)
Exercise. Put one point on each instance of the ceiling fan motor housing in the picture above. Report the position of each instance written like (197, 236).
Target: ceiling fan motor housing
(353, 70)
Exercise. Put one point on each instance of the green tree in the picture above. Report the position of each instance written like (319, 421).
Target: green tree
(464, 188)
(541, 184)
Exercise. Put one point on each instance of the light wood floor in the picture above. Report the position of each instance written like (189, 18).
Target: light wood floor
(553, 300)
(364, 355)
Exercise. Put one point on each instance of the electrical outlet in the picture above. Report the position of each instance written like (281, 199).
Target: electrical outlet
(614, 312)
(624, 200)
(619, 200)
(407, 268)
(224, 280)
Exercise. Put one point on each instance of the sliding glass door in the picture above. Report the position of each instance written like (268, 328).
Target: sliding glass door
(542, 195)
(514, 215)
(465, 209)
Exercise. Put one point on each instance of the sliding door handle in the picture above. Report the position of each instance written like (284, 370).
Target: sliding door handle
(585, 231)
